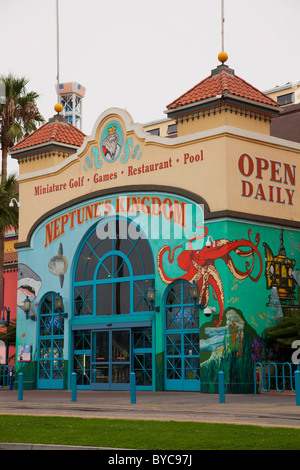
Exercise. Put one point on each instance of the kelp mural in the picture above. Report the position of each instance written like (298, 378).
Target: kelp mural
(230, 348)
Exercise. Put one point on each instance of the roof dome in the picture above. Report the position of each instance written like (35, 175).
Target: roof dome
(222, 81)
(57, 129)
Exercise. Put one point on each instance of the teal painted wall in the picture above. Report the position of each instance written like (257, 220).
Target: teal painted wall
(234, 267)
(250, 306)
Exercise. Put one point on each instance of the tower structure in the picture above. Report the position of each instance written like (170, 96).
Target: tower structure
(223, 99)
(51, 143)
(71, 95)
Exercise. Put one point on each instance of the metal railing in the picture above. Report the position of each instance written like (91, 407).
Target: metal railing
(274, 376)
(6, 376)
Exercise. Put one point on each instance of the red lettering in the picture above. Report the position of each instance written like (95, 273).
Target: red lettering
(260, 193)
(97, 209)
(89, 213)
(186, 158)
(134, 205)
(275, 172)
(247, 188)
(262, 165)
(167, 208)
(80, 215)
(145, 208)
(179, 212)
(57, 232)
(119, 205)
(241, 164)
(64, 220)
(279, 196)
(71, 214)
(156, 200)
(290, 193)
(291, 174)
(108, 207)
(49, 234)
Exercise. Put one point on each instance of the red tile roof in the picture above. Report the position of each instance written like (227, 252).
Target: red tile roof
(11, 257)
(219, 82)
(53, 131)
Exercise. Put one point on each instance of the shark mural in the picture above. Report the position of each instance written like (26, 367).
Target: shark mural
(29, 284)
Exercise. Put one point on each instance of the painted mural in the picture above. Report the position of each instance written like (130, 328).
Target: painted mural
(200, 265)
(241, 341)
(111, 145)
(279, 275)
(29, 285)
(58, 265)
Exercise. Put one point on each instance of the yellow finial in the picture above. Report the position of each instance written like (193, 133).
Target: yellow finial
(58, 108)
(223, 57)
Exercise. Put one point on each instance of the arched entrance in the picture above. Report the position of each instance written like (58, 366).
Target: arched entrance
(182, 352)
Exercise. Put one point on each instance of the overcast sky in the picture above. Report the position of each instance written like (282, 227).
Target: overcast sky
(140, 55)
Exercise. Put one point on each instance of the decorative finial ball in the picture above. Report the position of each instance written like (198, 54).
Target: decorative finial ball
(58, 108)
(222, 57)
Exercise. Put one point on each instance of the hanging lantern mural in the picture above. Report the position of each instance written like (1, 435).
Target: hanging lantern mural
(279, 275)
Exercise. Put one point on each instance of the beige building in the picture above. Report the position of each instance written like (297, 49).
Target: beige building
(287, 124)
(285, 94)
(163, 257)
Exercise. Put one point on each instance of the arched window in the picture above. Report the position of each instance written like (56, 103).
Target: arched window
(51, 342)
(113, 271)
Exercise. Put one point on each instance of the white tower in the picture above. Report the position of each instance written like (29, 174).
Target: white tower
(71, 95)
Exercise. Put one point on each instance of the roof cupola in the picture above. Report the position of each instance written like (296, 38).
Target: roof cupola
(222, 99)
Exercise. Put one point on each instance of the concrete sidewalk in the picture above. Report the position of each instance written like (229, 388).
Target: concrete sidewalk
(263, 409)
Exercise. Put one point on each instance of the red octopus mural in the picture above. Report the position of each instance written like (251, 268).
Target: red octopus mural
(199, 265)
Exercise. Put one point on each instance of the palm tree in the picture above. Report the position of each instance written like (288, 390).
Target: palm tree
(287, 330)
(19, 114)
(9, 216)
(9, 338)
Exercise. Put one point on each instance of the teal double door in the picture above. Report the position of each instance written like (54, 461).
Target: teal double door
(182, 361)
(182, 340)
(51, 364)
(111, 359)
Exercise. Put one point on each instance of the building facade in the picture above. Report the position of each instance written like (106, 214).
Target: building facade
(128, 214)
(287, 124)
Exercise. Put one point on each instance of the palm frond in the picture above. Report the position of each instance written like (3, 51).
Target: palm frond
(19, 115)
(15, 132)
(8, 191)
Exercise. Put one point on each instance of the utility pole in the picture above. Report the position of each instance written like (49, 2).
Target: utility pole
(57, 50)
(222, 24)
